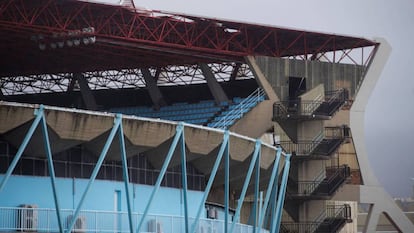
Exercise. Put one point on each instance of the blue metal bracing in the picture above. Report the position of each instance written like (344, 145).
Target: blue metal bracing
(272, 205)
(177, 137)
(223, 147)
(246, 184)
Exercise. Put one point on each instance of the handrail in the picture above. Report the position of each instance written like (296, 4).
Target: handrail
(311, 108)
(326, 217)
(307, 148)
(254, 97)
(329, 184)
(44, 220)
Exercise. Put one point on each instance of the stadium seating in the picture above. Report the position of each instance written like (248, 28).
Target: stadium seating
(205, 112)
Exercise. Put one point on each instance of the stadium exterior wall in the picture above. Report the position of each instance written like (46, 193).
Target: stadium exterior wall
(37, 191)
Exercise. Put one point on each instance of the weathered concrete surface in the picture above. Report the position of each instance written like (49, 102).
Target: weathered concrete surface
(77, 125)
(12, 117)
(256, 122)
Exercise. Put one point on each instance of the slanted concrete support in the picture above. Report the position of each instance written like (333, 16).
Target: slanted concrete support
(371, 191)
(155, 93)
(86, 92)
(215, 88)
(261, 79)
(234, 72)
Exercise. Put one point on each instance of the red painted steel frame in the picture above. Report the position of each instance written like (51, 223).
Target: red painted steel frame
(127, 38)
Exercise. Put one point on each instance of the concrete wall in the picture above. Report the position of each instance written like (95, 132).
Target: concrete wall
(308, 130)
(311, 210)
(315, 94)
(255, 122)
(332, 75)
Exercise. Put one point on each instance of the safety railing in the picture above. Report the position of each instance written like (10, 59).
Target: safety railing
(335, 177)
(45, 220)
(237, 111)
(324, 144)
(329, 220)
(297, 108)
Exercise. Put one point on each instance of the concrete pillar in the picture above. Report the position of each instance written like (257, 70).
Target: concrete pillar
(86, 92)
(215, 88)
(234, 72)
(155, 93)
(261, 79)
(371, 191)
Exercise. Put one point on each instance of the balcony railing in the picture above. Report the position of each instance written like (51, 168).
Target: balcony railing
(239, 110)
(302, 109)
(319, 188)
(45, 220)
(330, 220)
(321, 147)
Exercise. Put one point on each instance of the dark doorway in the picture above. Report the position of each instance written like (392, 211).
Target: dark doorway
(297, 86)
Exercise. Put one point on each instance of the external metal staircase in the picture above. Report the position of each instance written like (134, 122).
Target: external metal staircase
(319, 188)
(331, 220)
(316, 109)
(321, 147)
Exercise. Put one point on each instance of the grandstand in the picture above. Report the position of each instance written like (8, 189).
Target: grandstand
(117, 119)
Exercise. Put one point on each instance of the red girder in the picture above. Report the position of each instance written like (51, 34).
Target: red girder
(127, 38)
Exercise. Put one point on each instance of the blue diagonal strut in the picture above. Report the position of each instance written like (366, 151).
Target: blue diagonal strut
(125, 171)
(50, 167)
(22, 147)
(98, 165)
(213, 173)
(178, 135)
(281, 197)
(246, 184)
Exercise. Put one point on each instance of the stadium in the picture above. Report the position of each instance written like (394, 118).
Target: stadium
(119, 119)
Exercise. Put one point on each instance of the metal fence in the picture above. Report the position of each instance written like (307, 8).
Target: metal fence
(31, 218)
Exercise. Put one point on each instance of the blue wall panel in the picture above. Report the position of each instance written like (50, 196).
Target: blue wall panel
(38, 191)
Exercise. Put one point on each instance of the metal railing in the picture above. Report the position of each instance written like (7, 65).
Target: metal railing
(324, 222)
(312, 108)
(240, 109)
(45, 220)
(335, 176)
(323, 144)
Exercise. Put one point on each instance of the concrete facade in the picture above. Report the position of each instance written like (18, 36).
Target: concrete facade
(362, 185)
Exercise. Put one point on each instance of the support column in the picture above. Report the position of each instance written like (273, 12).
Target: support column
(261, 79)
(86, 92)
(215, 88)
(372, 191)
(234, 72)
(213, 173)
(152, 87)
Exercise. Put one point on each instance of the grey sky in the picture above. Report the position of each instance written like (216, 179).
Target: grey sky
(390, 114)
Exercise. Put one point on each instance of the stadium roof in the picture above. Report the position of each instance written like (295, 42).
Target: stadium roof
(48, 37)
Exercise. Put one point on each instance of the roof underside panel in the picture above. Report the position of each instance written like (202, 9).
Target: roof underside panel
(74, 36)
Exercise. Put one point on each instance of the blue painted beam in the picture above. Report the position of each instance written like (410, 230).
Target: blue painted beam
(226, 186)
(22, 147)
(256, 192)
(270, 185)
(211, 179)
(184, 180)
(95, 171)
(272, 213)
(245, 185)
(281, 197)
(51, 168)
(125, 171)
(178, 135)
